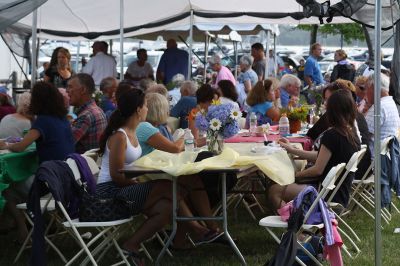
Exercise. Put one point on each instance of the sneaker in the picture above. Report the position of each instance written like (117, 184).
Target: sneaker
(209, 237)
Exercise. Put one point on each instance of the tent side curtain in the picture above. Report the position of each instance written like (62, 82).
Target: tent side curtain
(17, 40)
(12, 11)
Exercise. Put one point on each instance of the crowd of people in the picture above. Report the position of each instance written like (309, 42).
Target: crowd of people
(129, 121)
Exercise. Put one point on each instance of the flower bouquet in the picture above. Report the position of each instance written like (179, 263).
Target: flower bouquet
(220, 122)
(296, 115)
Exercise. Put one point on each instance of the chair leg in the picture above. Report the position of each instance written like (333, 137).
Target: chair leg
(348, 227)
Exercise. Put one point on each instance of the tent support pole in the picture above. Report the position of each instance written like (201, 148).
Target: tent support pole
(235, 47)
(267, 55)
(34, 51)
(377, 134)
(190, 46)
(121, 39)
(275, 58)
(78, 50)
(206, 44)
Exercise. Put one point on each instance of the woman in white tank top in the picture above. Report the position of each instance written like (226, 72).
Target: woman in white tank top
(119, 146)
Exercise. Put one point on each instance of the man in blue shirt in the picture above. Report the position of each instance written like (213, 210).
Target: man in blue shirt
(172, 62)
(312, 70)
(187, 102)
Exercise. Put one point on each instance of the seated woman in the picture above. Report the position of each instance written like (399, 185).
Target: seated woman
(338, 144)
(151, 138)
(360, 124)
(205, 96)
(261, 101)
(158, 113)
(53, 136)
(119, 146)
(228, 93)
(14, 124)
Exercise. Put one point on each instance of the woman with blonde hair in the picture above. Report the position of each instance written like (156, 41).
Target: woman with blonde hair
(261, 101)
(151, 137)
(59, 71)
(13, 125)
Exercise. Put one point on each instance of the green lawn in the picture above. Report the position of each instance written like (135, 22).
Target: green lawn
(253, 241)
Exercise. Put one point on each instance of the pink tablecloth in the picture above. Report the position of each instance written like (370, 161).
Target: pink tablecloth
(305, 141)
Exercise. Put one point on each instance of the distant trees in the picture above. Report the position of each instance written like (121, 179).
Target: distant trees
(347, 31)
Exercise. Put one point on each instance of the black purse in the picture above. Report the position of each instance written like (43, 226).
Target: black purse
(96, 209)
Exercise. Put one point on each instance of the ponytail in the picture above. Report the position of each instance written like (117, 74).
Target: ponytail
(116, 121)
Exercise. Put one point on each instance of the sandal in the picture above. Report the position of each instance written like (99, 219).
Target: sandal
(209, 237)
(135, 257)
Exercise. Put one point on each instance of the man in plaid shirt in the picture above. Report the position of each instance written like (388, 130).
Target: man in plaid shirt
(91, 121)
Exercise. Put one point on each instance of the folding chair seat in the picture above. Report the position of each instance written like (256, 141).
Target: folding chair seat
(270, 222)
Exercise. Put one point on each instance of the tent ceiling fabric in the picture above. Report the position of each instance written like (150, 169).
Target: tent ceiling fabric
(91, 19)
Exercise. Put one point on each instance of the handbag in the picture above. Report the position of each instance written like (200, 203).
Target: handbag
(93, 208)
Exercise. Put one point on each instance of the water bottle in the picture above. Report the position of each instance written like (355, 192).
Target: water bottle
(253, 124)
(284, 128)
(188, 140)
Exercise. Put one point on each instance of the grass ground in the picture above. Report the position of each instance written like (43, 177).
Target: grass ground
(253, 241)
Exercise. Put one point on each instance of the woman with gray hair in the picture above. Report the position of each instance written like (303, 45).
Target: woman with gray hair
(13, 125)
(247, 76)
(246, 79)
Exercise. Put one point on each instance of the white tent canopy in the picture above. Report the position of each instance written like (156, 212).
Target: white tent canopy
(100, 19)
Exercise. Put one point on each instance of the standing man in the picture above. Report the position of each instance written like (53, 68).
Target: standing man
(223, 73)
(101, 65)
(312, 70)
(172, 62)
(257, 52)
(91, 121)
(139, 69)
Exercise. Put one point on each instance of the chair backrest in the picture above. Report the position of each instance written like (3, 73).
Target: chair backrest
(351, 166)
(327, 185)
(94, 168)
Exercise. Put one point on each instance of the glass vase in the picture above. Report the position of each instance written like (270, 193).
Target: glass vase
(215, 144)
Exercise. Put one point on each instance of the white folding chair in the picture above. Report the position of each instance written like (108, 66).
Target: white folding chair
(270, 222)
(351, 167)
(361, 189)
(94, 154)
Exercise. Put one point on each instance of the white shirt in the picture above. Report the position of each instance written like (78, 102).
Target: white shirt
(390, 121)
(137, 71)
(174, 96)
(225, 100)
(132, 153)
(101, 66)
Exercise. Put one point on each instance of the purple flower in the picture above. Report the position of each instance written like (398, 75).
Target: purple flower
(201, 122)
(229, 126)
(230, 129)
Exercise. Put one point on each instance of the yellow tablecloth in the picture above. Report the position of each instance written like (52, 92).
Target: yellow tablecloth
(277, 166)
